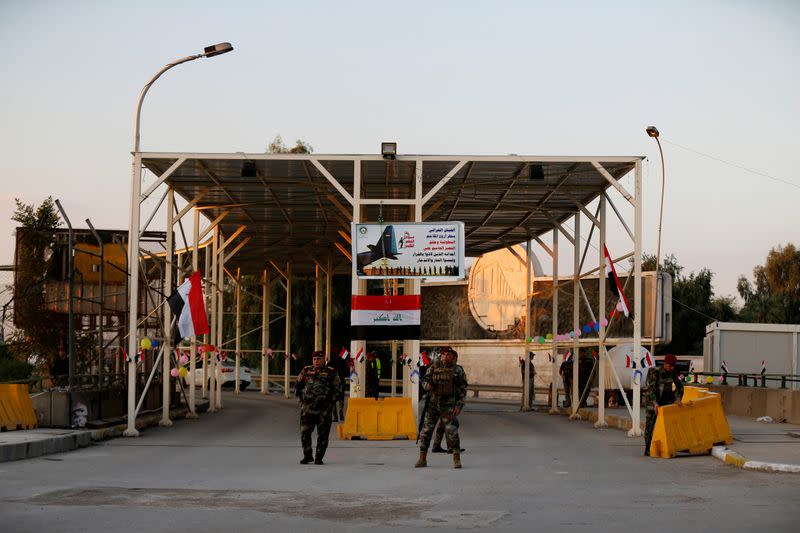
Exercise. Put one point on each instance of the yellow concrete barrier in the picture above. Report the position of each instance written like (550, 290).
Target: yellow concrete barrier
(694, 427)
(16, 409)
(381, 419)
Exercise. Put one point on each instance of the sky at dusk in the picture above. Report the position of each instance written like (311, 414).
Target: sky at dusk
(718, 79)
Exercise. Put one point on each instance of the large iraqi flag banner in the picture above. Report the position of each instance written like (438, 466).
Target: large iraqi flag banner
(375, 318)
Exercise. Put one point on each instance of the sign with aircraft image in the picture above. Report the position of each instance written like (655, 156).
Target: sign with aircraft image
(434, 251)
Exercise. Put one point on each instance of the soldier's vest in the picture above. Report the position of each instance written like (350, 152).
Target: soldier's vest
(443, 380)
(319, 384)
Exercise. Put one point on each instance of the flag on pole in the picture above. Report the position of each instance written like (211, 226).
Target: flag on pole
(763, 368)
(407, 359)
(647, 360)
(189, 309)
(614, 284)
(344, 353)
(137, 358)
(424, 359)
(629, 362)
(360, 355)
(568, 356)
(724, 367)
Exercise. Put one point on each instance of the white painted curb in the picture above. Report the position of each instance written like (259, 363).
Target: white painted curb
(732, 458)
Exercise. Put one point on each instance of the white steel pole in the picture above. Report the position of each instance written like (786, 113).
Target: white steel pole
(636, 430)
(357, 287)
(526, 382)
(416, 285)
(288, 331)
(209, 376)
(220, 318)
(238, 329)
(317, 309)
(265, 333)
(210, 288)
(328, 304)
(576, 324)
(193, 348)
(394, 369)
(601, 315)
(169, 265)
(554, 364)
(133, 281)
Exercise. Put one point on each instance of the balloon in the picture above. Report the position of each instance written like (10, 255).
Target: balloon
(145, 343)
(603, 322)
(549, 336)
(184, 359)
(578, 333)
(709, 379)
(182, 372)
(153, 343)
(529, 339)
(174, 372)
(571, 334)
(587, 328)
(596, 327)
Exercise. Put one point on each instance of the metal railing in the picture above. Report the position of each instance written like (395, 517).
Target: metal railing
(743, 379)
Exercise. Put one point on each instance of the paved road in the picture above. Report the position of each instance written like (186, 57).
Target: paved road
(238, 470)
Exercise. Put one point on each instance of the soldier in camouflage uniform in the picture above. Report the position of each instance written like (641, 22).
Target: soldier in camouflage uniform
(438, 434)
(659, 393)
(318, 388)
(447, 384)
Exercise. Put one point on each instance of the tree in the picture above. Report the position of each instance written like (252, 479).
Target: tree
(774, 295)
(38, 330)
(277, 147)
(694, 305)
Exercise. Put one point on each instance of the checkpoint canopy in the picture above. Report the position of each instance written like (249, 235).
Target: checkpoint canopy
(295, 212)
(295, 207)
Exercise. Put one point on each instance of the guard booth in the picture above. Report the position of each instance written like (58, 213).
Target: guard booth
(283, 215)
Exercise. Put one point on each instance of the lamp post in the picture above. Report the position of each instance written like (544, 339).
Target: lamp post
(652, 131)
(133, 234)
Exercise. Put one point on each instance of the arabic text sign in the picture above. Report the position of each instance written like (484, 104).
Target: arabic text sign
(409, 250)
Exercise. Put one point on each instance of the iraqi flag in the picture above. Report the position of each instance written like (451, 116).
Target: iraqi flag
(763, 368)
(187, 305)
(344, 353)
(724, 367)
(360, 355)
(385, 317)
(616, 288)
(424, 360)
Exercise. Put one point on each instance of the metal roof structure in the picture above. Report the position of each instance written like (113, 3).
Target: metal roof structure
(287, 214)
(299, 207)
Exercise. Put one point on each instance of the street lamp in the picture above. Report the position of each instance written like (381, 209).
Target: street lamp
(652, 131)
(133, 235)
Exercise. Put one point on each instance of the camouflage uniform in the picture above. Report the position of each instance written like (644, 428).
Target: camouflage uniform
(438, 434)
(659, 391)
(449, 391)
(318, 390)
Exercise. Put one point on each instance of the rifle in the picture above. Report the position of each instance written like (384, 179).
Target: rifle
(422, 414)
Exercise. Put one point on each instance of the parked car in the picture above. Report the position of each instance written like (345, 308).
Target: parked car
(226, 372)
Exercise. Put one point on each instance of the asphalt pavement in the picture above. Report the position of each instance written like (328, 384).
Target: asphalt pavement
(239, 469)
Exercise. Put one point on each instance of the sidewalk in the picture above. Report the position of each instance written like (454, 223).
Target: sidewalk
(27, 444)
(769, 447)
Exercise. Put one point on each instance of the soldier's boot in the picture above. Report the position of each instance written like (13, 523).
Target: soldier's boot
(307, 458)
(422, 461)
(456, 459)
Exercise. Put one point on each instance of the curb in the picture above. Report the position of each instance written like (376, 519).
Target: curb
(732, 458)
